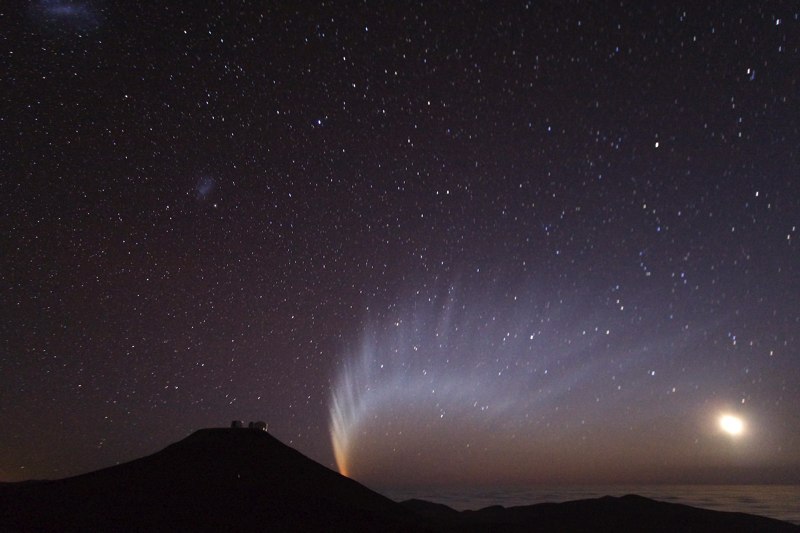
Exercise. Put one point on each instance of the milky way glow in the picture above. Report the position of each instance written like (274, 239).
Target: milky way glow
(461, 377)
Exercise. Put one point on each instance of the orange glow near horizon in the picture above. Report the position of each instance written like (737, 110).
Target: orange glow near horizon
(340, 457)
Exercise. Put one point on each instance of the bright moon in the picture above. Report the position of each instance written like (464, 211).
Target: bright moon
(731, 425)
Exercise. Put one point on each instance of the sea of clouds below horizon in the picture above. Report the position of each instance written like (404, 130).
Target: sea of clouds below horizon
(774, 501)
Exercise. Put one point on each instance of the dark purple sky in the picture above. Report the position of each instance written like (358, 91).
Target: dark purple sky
(457, 242)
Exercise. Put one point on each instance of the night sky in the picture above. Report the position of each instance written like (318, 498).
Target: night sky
(428, 243)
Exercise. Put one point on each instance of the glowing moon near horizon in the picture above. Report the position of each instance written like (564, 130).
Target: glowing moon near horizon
(732, 425)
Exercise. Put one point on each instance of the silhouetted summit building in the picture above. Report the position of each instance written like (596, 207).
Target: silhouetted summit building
(259, 425)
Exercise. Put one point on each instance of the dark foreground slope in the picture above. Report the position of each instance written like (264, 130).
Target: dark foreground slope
(246, 480)
(214, 480)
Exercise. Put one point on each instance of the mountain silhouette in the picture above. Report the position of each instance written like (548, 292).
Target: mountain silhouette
(215, 479)
(607, 514)
(247, 480)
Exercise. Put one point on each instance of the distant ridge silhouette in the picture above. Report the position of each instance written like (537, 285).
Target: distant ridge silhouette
(246, 480)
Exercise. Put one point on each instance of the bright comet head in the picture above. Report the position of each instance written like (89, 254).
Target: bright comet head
(732, 425)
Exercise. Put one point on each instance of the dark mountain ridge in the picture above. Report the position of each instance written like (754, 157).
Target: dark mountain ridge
(215, 479)
(245, 479)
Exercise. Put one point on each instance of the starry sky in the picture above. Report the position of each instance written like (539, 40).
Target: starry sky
(429, 243)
